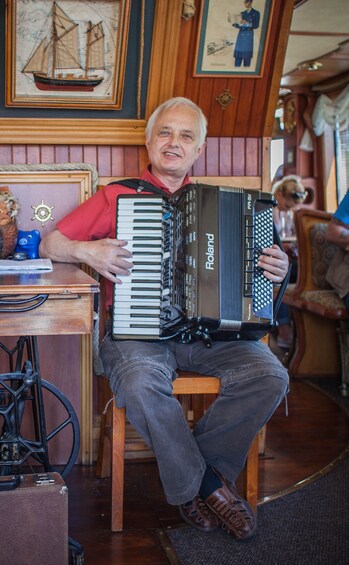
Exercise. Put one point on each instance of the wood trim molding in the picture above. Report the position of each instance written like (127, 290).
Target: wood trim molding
(167, 24)
(165, 46)
(278, 62)
(266, 154)
(72, 132)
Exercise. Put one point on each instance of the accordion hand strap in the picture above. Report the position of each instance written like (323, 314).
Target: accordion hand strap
(285, 282)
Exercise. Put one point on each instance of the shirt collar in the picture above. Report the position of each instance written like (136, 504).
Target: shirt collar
(149, 177)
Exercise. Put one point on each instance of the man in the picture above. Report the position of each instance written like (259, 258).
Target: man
(197, 469)
(243, 51)
(338, 232)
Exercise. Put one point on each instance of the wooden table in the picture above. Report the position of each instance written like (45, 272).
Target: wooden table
(67, 310)
(67, 295)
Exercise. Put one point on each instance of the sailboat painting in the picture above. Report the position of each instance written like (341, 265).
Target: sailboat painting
(68, 53)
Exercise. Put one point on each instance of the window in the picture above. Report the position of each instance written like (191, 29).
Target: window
(276, 156)
(342, 160)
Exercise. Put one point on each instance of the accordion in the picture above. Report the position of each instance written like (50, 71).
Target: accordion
(195, 268)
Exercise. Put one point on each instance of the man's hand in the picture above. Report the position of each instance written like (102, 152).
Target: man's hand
(109, 257)
(274, 263)
(338, 233)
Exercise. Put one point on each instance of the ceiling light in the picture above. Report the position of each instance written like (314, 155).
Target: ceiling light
(310, 66)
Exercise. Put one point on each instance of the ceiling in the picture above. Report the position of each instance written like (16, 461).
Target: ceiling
(319, 33)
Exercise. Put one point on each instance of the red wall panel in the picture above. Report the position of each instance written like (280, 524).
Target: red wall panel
(223, 156)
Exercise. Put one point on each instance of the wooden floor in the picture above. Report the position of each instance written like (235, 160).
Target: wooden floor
(299, 445)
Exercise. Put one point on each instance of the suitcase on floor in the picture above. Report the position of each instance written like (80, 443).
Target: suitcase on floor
(34, 520)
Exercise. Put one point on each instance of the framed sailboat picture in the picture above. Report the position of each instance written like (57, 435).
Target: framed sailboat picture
(66, 53)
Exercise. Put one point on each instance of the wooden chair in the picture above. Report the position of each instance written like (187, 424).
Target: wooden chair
(318, 313)
(112, 445)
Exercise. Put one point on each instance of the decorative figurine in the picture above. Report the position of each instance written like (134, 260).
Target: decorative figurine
(9, 208)
(28, 243)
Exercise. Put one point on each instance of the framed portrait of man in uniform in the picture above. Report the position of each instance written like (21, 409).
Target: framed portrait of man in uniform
(232, 37)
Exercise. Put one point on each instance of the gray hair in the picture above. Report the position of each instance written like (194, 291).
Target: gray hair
(173, 103)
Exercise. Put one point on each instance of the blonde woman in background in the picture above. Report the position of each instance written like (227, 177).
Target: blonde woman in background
(289, 193)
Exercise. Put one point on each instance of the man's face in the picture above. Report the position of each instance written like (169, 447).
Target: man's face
(174, 143)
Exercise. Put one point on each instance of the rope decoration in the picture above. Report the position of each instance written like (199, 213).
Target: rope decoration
(141, 56)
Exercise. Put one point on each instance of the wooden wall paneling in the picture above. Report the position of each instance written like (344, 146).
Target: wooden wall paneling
(132, 162)
(48, 154)
(253, 157)
(225, 160)
(76, 154)
(143, 158)
(230, 113)
(90, 155)
(217, 114)
(259, 103)
(33, 154)
(117, 161)
(204, 97)
(5, 154)
(245, 112)
(104, 160)
(199, 167)
(238, 156)
(212, 156)
(62, 154)
(19, 155)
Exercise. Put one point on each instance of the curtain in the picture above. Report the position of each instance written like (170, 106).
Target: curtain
(332, 112)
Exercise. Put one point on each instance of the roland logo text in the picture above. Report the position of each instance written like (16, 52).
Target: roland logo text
(210, 252)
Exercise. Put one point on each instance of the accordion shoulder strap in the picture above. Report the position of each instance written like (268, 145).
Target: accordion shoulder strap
(138, 185)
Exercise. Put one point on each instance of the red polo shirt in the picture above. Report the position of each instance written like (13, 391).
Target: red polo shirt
(96, 218)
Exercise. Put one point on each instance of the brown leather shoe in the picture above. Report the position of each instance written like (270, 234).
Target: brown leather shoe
(198, 515)
(235, 515)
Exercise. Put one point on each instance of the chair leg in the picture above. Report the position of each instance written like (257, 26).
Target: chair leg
(104, 446)
(117, 468)
(251, 475)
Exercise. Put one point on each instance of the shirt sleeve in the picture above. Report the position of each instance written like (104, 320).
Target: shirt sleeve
(342, 212)
(94, 219)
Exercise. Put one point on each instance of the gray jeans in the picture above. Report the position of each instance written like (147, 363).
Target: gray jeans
(253, 383)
